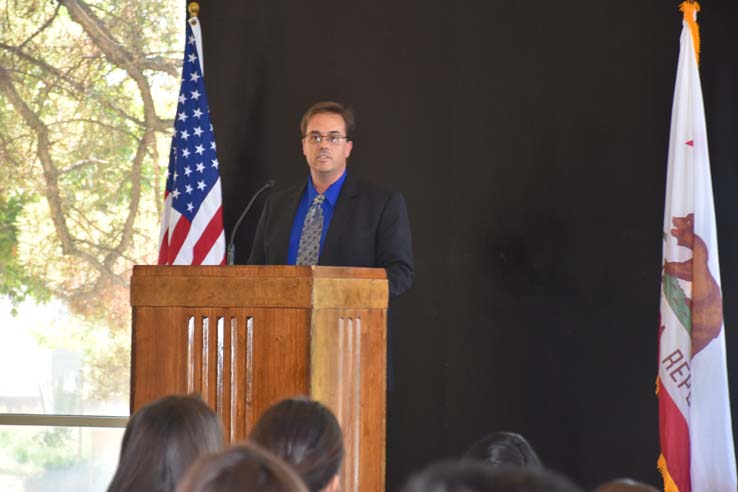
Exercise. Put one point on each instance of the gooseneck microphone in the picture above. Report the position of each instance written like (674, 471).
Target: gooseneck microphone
(231, 247)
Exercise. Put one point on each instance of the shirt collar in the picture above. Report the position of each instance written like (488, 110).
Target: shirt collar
(331, 194)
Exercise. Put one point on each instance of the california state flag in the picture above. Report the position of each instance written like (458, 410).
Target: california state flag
(697, 452)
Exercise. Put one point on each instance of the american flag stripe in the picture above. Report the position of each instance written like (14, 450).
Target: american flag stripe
(208, 239)
(207, 218)
(216, 253)
(180, 229)
(164, 230)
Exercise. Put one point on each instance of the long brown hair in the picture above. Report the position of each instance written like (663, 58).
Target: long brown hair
(242, 468)
(306, 435)
(162, 440)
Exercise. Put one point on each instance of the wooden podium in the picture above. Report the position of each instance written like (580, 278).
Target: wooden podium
(245, 337)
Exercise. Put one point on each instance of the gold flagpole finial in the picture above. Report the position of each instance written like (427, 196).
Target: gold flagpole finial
(690, 8)
(193, 8)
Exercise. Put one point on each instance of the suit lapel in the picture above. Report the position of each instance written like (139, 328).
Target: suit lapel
(341, 215)
(285, 218)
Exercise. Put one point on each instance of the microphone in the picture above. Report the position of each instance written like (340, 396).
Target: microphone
(231, 247)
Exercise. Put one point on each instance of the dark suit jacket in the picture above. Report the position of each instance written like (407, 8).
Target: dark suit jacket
(369, 228)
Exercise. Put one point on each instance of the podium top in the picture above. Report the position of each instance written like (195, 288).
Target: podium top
(258, 271)
(242, 286)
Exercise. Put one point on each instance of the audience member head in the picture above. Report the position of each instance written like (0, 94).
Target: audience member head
(162, 440)
(504, 449)
(625, 485)
(306, 435)
(474, 476)
(242, 468)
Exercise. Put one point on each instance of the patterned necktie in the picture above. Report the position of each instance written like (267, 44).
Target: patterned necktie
(312, 229)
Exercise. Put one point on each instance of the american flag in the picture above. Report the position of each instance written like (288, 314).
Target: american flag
(192, 219)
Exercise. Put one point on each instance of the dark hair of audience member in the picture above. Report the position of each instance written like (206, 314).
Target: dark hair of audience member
(625, 485)
(242, 468)
(504, 448)
(306, 435)
(162, 440)
(475, 476)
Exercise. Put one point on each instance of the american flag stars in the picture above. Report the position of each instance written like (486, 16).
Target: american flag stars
(193, 137)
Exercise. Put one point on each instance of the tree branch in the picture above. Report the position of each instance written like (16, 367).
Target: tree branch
(96, 122)
(41, 29)
(160, 64)
(44, 156)
(51, 177)
(81, 13)
(82, 163)
(77, 87)
(127, 233)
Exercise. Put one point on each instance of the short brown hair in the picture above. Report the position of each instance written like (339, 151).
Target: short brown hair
(344, 112)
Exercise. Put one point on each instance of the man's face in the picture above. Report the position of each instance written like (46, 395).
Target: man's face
(326, 160)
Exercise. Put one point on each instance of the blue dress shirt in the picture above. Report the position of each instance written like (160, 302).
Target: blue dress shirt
(329, 205)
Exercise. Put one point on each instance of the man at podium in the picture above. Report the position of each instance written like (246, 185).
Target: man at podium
(335, 219)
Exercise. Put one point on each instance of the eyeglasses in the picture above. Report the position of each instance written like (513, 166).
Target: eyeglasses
(332, 138)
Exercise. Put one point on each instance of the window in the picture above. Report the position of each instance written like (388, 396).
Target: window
(84, 150)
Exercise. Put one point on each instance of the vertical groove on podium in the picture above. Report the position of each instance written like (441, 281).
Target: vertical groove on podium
(193, 365)
(356, 413)
(221, 376)
(339, 382)
(350, 396)
(238, 371)
(249, 397)
(205, 361)
(346, 370)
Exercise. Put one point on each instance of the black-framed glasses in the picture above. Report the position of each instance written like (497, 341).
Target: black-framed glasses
(332, 138)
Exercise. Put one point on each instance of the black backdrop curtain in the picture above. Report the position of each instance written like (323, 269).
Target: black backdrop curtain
(530, 144)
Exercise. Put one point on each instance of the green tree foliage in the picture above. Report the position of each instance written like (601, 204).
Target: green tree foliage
(50, 448)
(87, 92)
(15, 283)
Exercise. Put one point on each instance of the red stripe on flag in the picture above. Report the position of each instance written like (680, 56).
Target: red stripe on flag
(674, 434)
(163, 249)
(178, 238)
(208, 237)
